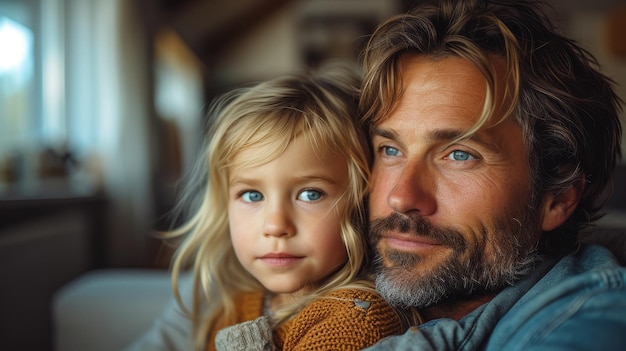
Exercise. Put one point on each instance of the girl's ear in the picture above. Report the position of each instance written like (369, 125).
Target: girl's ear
(557, 208)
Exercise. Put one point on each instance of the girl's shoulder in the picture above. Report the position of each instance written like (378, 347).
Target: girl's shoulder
(343, 319)
(367, 294)
(355, 301)
(355, 295)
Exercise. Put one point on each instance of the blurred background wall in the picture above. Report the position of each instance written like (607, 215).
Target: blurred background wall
(101, 111)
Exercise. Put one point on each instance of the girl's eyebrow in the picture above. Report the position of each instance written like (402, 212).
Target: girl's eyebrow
(320, 178)
(306, 178)
(243, 180)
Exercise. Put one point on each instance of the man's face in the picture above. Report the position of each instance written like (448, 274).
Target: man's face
(449, 219)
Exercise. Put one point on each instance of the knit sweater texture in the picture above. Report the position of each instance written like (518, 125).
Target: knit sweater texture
(348, 319)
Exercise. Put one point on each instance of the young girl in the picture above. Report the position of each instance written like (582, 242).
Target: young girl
(280, 229)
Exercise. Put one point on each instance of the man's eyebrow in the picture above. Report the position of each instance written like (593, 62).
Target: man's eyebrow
(436, 135)
(452, 135)
(385, 133)
(443, 135)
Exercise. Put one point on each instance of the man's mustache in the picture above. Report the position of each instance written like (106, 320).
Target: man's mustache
(416, 225)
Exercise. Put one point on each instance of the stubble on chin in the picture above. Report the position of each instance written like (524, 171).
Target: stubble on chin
(402, 283)
(397, 258)
(467, 272)
(399, 277)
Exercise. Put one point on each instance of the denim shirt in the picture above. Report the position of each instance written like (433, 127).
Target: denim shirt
(576, 303)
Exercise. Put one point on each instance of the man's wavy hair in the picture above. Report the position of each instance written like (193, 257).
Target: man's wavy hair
(567, 110)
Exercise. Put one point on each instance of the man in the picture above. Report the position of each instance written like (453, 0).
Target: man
(495, 139)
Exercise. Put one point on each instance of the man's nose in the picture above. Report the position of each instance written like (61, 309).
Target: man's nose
(279, 223)
(414, 191)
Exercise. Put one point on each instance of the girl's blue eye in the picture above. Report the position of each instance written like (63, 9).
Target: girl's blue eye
(458, 155)
(309, 195)
(391, 151)
(252, 196)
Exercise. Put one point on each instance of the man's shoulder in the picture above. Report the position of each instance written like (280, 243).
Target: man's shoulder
(611, 237)
(587, 264)
(581, 298)
(592, 272)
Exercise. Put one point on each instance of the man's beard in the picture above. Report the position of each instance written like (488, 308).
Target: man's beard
(470, 271)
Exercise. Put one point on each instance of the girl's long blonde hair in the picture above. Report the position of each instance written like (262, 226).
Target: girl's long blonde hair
(323, 108)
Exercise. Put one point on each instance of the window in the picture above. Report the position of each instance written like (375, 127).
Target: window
(32, 91)
(17, 94)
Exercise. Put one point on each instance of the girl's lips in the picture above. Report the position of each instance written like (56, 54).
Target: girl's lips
(280, 259)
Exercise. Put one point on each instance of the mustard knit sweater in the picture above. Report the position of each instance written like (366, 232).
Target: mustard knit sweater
(348, 319)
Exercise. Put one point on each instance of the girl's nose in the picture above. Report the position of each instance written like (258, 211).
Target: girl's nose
(279, 223)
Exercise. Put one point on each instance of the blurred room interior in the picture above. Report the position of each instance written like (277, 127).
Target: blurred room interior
(101, 112)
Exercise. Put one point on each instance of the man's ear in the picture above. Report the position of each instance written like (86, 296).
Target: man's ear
(557, 208)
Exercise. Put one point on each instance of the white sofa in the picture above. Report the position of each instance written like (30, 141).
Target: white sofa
(108, 309)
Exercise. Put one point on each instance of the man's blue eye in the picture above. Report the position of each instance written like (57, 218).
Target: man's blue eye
(459, 155)
(390, 151)
(252, 196)
(309, 195)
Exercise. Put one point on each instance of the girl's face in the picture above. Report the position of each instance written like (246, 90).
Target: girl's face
(284, 216)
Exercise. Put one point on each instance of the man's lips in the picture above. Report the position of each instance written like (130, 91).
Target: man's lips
(280, 259)
(409, 241)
